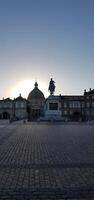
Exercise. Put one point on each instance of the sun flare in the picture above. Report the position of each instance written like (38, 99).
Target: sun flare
(25, 86)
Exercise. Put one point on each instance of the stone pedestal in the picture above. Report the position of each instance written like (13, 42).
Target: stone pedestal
(53, 108)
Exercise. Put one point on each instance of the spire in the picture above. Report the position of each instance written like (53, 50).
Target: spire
(36, 84)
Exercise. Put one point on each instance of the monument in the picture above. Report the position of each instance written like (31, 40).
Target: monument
(51, 87)
(53, 104)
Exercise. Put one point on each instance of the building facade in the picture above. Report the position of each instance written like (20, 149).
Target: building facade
(36, 106)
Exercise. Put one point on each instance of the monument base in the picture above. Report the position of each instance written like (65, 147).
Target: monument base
(51, 119)
(52, 109)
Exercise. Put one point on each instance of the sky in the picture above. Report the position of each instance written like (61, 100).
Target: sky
(43, 39)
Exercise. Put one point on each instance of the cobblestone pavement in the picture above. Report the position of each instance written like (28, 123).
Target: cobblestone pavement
(46, 161)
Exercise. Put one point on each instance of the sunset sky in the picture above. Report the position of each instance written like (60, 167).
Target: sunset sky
(40, 39)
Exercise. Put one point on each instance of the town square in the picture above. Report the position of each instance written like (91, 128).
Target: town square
(46, 160)
(46, 99)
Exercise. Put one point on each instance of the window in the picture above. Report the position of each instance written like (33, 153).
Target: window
(88, 104)
(93, 112)
(0, 105)
(17, 105)
(87, 112)
(71, 112)
(22, 105)
(65, 112)
(83, 104)
(74, 104)
(65, 105)
(5, 105)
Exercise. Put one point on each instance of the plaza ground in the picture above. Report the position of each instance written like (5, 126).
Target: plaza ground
(46, 161)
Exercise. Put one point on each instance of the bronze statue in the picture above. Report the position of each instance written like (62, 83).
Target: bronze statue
(51, 87)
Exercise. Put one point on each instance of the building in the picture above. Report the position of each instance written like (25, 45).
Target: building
(35, 103)
(13, 109)
(36, 106)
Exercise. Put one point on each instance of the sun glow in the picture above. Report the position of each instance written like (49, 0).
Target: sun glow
(24, 87)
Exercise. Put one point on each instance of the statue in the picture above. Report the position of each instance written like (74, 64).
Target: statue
(51, 87)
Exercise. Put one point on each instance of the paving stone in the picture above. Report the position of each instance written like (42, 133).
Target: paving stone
(46, 161)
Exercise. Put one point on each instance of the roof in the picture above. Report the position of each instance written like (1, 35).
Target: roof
(72, 97)
(7, 99)
(20, 98)
(89, 92)
(35, 93)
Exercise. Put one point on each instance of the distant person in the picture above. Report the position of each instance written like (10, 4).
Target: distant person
(24, 121)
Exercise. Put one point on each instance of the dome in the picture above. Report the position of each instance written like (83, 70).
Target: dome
(36, 93)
